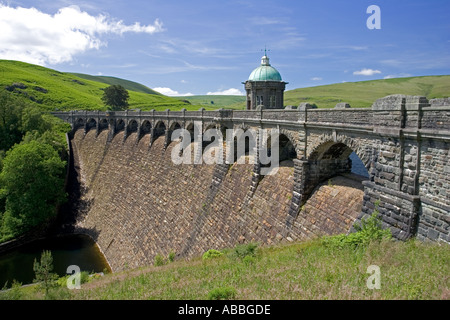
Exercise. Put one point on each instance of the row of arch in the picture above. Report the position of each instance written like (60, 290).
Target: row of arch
(288, 146)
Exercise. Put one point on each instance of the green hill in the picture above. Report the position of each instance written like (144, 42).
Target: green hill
(216, 101)
(51, 89)
(127, 84)
(363, 94)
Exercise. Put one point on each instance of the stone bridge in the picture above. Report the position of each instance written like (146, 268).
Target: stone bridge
(403, 141)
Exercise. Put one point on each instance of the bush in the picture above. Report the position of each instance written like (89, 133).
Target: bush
(159, 261)
(211, 254)
(369, 230)
(171, 256)
(222, 293)
(244, 250)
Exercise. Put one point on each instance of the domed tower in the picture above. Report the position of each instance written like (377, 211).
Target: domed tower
(265, 87)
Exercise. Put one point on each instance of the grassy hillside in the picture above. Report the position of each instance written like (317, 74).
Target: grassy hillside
(127, 84)
(216, 101)
(363, 94)
(302, 270)
(51, 89)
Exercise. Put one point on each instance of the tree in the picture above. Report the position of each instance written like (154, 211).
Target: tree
(116, 98)
(43, 271)
(31, 185)
(10, 120)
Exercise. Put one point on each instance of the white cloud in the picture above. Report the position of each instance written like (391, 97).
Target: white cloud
(30, 35)
(400, 75)
(366, 72)
(228, 92)
(316, 79)
(171, 93)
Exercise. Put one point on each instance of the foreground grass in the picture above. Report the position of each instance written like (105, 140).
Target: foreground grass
(305, 270)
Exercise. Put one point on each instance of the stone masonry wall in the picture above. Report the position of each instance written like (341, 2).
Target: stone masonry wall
(139, 204)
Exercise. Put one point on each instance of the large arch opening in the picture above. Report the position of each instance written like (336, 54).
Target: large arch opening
(333, 158)
(333, 194)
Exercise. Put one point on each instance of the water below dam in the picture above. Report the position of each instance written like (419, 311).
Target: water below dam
(79, 250)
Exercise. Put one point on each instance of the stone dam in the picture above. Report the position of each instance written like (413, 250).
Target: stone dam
(136, 203)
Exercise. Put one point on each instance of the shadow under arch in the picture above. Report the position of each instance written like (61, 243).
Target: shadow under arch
(327, 161)
(286, 149)
(340, 156)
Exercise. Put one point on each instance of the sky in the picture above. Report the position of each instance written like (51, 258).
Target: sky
(200, 47)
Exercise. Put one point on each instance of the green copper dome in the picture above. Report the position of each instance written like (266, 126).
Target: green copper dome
(265, 72)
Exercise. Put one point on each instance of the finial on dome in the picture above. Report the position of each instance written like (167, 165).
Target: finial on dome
(265, 58)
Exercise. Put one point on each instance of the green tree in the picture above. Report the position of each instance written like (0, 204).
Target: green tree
(116, 98)
(10, 120)
(32, 185)
(43, 272)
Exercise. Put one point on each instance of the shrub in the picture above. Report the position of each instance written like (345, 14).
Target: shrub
(369, 230)
(222, 293)
(243, 250)
(159, 260)
(211, 254)
(171, 256)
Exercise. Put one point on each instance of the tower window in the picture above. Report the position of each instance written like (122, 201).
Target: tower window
(273, 101)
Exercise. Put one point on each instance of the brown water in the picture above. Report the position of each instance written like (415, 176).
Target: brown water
(68, 250)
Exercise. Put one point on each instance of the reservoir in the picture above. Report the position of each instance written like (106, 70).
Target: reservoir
(67, 250)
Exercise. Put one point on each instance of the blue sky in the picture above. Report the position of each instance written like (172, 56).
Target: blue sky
(200, 47)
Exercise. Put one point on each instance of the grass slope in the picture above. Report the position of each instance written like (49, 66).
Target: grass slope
(363, 94)
(127, 84)
(302, 270)
(51, 89)
(216, 101)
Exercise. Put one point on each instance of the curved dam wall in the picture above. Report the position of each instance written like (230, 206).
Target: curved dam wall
(136, 203)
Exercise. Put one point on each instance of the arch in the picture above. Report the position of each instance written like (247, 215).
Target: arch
(160, 129)
(90, 124)
(286, 149)
(210, 125)
(360, 147)
(211, 132)
(146, 127)
(174, 126)
(102, 125)
(132, 126)
(247, 139)
(190, 127)
(293, 140)
(79, 123)
(340, 153)
(120, 125)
